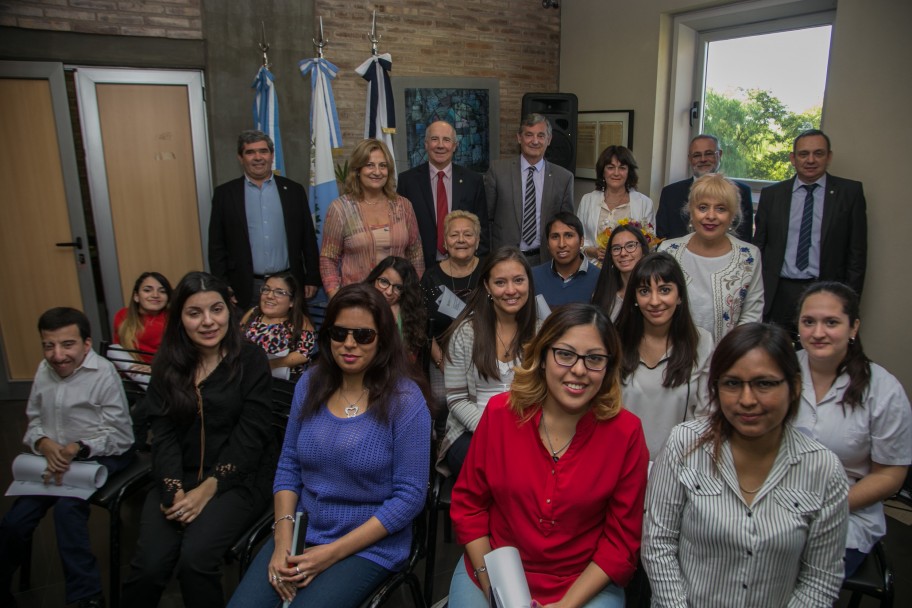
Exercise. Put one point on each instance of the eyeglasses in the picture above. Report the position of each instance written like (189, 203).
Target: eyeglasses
(279, 293)
(629, 247)
(760, 386)
(383, 283)
(362, 335)
(568, 358)
(699, 155)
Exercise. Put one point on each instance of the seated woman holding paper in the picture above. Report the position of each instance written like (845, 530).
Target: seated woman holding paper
(280, 326)
(557, 469)
(355, 460)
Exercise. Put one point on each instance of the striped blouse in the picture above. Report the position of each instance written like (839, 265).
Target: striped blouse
(348, 252)
(704, 546)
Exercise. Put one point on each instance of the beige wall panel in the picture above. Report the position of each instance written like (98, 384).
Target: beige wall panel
(149, 164)
(34, 273)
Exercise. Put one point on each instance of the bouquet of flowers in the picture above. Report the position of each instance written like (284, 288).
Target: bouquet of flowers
(648, 231)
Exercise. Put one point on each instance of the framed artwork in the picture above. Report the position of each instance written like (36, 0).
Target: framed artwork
(596, 131)
(471, 105)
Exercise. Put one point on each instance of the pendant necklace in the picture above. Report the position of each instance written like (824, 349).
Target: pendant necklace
(352, 410)
(507, 351)
(555, 454)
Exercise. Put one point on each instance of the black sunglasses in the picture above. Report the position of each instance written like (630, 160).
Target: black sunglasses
(362, 335)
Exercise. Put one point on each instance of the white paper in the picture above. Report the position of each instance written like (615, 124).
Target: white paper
(280, 372)
(80, 481)
(449, 303)
(541, 307)
(300, 527)
(509, 587)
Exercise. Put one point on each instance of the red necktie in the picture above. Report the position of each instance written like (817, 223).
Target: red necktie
(443, 208)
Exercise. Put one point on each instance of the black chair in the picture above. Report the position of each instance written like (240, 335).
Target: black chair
(873, 578)
(407, 575)
(441, 493)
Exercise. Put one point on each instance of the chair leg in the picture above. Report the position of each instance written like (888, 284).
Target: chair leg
(25, 569)
(855, 599)
(114, 552)
(415, 587)
(447, 527)
(430, 560)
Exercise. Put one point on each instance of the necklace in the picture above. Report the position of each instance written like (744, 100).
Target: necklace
(507, 351)
(555, 454)
(749, 491)
(453, 276)
(370, 204)
(352, 410)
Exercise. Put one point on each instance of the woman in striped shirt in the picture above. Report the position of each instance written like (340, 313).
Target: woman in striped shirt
(742, 509)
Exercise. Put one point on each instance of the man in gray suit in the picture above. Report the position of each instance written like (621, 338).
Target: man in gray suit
(810, 227)
(524, 191)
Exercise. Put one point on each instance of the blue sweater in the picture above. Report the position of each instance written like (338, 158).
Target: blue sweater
(558, 292)
(346, 470)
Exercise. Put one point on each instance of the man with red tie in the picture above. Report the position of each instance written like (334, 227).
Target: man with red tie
(439, 186)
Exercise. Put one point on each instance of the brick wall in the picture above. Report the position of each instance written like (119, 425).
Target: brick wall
(155, 18)
(515, 41)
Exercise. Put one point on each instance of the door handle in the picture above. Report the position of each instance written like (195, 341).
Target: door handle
(77, 243)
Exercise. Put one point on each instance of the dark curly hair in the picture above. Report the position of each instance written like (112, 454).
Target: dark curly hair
(411, 302)
(624, 157)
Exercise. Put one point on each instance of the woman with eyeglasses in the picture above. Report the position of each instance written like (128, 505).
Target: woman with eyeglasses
(854, 407)
(395, 278)
(724, 281)
(355, 461)
(368, 222)
(483, 346)
(557, 469)
(212, 447)
(664, 368)
(742, 508)
(280, 326)
(627, 245)
(615, 198)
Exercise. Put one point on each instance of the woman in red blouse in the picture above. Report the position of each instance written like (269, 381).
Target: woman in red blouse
(141, 325)
(557, 469)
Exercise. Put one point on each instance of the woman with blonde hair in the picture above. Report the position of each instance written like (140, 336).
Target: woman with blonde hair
(724, 281)
(369, 222)
(557, 469)
(141, 325)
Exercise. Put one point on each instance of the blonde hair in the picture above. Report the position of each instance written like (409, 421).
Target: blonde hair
(529, 387)
(459, 214)
(359, 158)
(717, 186)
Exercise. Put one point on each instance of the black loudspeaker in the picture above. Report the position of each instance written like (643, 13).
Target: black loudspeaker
(562, 110)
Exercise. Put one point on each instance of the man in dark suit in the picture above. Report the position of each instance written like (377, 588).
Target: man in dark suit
(810, 227)
(525, 191)
(261, 225)
(438, 187)
(704, 156)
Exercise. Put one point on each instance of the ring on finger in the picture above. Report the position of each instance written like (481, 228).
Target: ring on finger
(180, 513)
(298, 570)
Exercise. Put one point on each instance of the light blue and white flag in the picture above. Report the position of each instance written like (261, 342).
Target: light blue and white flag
(324, 136)
(266, 114)
(380, 115)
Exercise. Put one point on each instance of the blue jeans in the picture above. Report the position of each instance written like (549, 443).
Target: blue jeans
(344, 584)
(464, 593)
(71, 523)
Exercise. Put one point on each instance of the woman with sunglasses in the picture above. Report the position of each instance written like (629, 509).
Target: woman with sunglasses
(627, 245)
(280, 326)
(854, 407)
(557, 469)
(483, 346)
(368, 222)
(742, 508)
(664, 371)
(355, 460)
(396, 280)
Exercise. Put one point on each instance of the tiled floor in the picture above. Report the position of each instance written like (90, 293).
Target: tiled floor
(47, 578)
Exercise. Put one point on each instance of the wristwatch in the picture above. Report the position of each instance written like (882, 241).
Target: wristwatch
(83, 452)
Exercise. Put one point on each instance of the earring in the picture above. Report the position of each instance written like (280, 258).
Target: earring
(490, 297)
(852, 340)
(636, 304)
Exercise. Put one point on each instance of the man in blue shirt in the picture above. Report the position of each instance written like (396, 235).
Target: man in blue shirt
(568, 277)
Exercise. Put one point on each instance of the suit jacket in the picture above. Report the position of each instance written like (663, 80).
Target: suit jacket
(504, 193)
(229, 243)
(843, 233)
(670, 222)
(468, 195)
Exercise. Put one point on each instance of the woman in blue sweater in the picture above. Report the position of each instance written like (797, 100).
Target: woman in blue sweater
(355, 460)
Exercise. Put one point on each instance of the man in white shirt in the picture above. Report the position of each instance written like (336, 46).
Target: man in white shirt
(77, 410)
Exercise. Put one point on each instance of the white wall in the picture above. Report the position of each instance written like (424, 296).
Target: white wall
(617, 55)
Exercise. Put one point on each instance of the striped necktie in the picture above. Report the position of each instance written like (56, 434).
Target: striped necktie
(528, 216)
(804, 234)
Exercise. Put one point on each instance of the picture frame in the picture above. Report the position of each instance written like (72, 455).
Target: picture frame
(596, 130)
(471, 105)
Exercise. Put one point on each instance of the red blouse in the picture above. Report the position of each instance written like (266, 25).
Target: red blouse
(586, 507)
(149, 339)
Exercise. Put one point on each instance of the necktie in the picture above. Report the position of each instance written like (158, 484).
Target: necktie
(804, 234)
(443, 208)
(528, 215)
